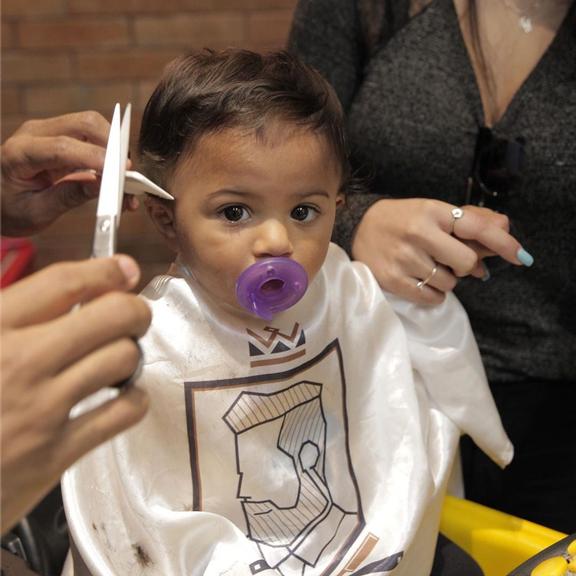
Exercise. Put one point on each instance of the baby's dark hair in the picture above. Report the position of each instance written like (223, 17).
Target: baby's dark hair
(208, 91)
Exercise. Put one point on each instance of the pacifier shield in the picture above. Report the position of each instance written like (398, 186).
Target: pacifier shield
(271, 286)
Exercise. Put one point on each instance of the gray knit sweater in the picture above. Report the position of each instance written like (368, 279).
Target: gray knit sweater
(413, 115)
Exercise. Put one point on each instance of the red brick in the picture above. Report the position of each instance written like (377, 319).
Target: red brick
(143, 92)
(238, 5)
(291, 4)
(167, 6)
(135, 133)
(20, 67)
(32, 7)
(8, 35)
(125, 65)
(11, 101)
(72, 32)
(104, 96)
(191, 31)
(263, 47)
(252, 4)
(122, 6)
(62, 99)
(269, 27)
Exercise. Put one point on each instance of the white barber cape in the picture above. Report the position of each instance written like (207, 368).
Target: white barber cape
(318, 443)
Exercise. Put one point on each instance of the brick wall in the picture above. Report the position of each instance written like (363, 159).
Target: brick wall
(61, 56)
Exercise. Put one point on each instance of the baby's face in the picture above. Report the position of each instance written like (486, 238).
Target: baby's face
(240, 199)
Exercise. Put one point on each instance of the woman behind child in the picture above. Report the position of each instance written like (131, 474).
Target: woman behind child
(314, 439)
(472, 102)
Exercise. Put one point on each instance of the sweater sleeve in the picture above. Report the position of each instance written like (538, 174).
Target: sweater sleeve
(327, 34)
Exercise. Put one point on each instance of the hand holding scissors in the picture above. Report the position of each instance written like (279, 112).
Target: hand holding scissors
(51, 359)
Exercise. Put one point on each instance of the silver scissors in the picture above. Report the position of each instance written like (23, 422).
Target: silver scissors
(116, 181)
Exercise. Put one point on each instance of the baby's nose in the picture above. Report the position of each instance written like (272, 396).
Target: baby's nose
(272, 239)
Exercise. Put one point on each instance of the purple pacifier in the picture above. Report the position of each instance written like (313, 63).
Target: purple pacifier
(270, 286)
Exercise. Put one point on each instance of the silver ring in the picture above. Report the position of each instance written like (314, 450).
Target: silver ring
(421, 283)
(457, 213)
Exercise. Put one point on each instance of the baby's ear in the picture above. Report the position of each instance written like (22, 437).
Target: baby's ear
(162, 214)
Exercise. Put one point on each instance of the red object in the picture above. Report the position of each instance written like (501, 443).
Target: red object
(16, 256)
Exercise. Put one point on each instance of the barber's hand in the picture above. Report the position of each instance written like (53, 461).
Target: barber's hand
(403, 240)
(51, 359)
(48, 167)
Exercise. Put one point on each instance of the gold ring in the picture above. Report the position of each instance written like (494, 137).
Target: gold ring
(421, 283)
(457, 213)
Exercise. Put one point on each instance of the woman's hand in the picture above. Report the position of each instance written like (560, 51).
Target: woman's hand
(51, 359)
(404, 241)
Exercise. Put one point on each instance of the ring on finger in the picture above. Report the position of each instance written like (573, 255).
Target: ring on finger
(421, 283)
(457, 213)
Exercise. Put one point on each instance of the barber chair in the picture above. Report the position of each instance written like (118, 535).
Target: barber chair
(505, 545)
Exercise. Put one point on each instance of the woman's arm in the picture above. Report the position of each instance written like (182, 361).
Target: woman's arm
(411, 245)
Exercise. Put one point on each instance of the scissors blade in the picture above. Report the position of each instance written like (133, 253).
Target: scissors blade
(110, 188)
(124, 147)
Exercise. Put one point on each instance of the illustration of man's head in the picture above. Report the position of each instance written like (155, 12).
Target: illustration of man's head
(280, 446)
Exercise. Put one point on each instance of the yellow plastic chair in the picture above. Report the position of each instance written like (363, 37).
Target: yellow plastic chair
(497, 541)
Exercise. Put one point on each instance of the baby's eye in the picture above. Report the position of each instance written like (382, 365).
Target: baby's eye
(304, 213)
(235, 213)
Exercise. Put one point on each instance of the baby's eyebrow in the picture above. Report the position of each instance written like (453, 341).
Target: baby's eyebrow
(247, 194)
(308, 193)
(228, 192)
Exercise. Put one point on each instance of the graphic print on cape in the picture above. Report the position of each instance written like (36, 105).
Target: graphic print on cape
(271, 454)
(273, 346)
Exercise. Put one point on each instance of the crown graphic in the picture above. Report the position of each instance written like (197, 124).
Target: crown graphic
(272, 346)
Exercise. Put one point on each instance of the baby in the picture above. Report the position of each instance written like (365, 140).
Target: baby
(301, 423)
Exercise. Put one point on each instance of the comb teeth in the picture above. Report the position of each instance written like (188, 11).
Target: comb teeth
(137, 184)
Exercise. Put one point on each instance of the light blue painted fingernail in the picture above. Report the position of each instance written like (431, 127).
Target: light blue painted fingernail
(525, 257)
